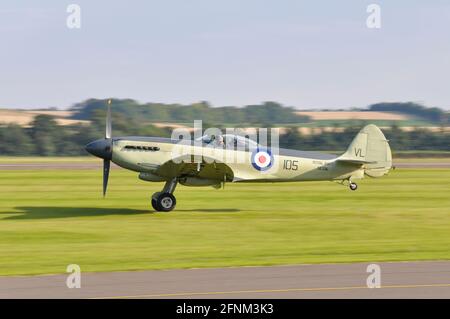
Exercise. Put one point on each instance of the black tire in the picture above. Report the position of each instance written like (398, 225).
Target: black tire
(353, 186)
(164, 202)
(155, 202)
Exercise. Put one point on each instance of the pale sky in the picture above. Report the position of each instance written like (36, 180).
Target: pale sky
(306, 54)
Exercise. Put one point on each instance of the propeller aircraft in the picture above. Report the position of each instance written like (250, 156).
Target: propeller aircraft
(153, 158)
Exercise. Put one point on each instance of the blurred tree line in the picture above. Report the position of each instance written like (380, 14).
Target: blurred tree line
(432, 114)
(399, 140)
(271, 112)
(45, 137)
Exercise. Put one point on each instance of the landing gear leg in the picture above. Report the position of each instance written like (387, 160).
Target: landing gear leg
(165, 201)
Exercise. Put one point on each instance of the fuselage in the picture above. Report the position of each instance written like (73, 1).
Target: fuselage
(148, 154)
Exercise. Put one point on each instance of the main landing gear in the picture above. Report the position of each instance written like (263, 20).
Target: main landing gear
(165, 201)
(353, 186)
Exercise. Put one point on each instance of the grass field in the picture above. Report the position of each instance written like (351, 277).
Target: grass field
(49, 219)
(43, 159)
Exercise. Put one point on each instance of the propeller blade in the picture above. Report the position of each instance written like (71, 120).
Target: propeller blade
(108, 120)
(106, 166)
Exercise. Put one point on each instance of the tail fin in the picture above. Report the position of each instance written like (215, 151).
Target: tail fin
(371, 149)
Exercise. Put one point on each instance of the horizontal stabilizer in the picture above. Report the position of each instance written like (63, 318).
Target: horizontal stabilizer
(355, 161)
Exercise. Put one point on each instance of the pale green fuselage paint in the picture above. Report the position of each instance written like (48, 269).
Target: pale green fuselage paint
(285, 168)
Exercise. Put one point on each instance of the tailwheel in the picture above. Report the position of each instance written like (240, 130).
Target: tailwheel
(163, 202)
(353, 186)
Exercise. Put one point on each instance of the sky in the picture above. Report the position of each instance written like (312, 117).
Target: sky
(305, 54)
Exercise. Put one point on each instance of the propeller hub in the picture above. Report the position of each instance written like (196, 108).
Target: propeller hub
(101, 148)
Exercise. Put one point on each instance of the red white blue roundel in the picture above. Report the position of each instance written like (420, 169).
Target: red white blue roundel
(262, 160)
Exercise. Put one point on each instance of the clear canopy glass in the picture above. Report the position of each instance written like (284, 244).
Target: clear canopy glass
(232, 141)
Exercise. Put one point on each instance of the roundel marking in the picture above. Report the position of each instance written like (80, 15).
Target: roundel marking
(262, 160)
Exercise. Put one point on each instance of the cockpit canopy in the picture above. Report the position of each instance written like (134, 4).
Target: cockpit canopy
(229, 141)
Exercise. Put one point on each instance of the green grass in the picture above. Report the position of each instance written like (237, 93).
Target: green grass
(49, 219)
(43, 159)
(398, 160)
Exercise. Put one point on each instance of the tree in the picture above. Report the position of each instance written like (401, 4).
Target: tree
(45, 136)
(14, 140)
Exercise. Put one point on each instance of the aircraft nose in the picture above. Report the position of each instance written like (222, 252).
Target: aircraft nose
(100, 148)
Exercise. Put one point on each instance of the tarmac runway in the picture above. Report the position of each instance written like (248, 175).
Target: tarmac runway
(398, 280)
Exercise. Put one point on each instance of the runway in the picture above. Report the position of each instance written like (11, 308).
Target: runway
(398, 280)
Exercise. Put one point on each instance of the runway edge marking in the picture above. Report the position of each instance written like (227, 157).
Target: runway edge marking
(268, 291)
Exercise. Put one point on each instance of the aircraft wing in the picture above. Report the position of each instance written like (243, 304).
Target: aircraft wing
(208, 168)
